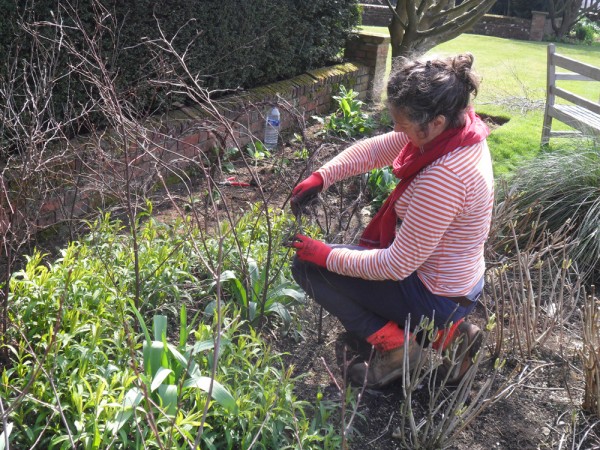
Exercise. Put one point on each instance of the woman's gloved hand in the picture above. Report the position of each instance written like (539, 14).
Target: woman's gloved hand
(305, 191)
(311, 250)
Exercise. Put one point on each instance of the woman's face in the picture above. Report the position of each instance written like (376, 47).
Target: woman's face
(417, 136)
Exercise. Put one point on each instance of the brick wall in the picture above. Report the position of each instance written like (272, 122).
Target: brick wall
(180, 138)
(503, 26)
(376, 15)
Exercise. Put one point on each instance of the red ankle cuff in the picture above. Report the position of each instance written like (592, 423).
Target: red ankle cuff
(387, 338)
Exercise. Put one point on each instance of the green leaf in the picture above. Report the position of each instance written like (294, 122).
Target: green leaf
(168, 396)
(160, 327)
(202, 346)
(178, 356)
(183, 331)
(281, 311)
(345, 107)
(238, 288)
(132, 399)
(219, 393)
(285, 290)
(153, 357)
(160, 376)
(210, 308)
(252, 311)
(140, 320)
(253, 271)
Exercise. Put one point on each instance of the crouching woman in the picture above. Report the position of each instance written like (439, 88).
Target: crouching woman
(421, 256)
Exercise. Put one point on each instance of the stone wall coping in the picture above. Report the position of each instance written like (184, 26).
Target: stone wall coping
(374, 37)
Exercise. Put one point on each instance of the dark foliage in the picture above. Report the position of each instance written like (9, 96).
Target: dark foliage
(518, 8)
(235, 44)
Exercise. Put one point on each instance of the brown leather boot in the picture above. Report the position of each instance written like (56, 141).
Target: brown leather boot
(385, 367)
(469, 339)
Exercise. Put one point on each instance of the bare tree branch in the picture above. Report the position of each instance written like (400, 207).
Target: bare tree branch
(418, 26)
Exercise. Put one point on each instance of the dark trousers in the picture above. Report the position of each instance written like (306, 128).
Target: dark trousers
(364, 306)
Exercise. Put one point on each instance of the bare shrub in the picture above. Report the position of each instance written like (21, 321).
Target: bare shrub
(533, 286)
(591, 354)
(129, 163)
(36, 159)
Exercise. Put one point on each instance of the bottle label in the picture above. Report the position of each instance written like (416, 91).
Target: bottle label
(273, 122)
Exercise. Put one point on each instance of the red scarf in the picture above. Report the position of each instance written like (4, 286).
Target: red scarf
(381, 230)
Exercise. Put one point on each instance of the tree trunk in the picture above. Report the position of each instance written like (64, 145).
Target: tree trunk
(564, 14)
(418, 26)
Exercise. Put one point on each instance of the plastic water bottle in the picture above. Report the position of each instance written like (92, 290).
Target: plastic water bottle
(272, 128)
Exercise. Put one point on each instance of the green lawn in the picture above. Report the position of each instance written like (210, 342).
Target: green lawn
(513, 87)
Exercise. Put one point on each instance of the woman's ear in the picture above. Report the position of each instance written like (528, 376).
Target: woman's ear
(439, 122)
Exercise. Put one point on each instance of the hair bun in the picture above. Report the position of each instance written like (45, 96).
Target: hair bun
(461, 66)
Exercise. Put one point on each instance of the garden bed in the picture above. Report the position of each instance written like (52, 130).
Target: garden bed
(540, 405)
(537, 414)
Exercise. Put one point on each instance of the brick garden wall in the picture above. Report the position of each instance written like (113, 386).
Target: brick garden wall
(376, 15)
(503, 26)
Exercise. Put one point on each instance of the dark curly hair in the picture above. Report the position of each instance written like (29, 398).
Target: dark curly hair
(425, 89)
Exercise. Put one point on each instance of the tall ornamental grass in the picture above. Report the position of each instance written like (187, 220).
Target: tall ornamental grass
(564, 188)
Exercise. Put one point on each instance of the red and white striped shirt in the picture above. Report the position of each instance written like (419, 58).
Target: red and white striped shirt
(446, 212)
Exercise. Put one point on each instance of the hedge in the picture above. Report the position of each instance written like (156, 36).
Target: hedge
(236, 43)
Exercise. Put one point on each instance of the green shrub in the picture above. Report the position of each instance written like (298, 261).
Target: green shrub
(348, 120)
(586, 31)
(80, 376)
(381, 183)
(257, 276)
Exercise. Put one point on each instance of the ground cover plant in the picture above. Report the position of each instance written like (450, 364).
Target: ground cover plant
(173, 322)
(84, 378)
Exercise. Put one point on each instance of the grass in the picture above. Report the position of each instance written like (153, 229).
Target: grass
(513, 86)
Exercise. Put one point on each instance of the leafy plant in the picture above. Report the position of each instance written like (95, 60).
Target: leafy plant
(170, 370)
(229, 154)
(281, 293)
(586, 31)
(380, 183)
(258, 151)
(302, 154)
(348, 120)
(74, 380)
(256, 271)
(269, 414)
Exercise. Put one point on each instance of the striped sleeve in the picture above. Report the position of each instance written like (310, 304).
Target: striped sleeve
(363, 156)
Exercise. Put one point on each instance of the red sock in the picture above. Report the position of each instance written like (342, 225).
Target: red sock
(445, 336)
(387, 338)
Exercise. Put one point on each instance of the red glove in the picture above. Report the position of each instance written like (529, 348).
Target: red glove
(311, 250)
(305, 192)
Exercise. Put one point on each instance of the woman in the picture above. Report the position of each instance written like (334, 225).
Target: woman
(429, 263)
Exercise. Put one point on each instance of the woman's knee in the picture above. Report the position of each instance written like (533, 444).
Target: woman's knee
(299, 271)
